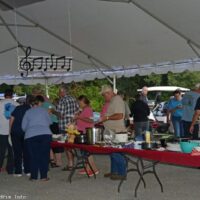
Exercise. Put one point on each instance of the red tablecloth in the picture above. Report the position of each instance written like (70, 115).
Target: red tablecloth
(176, 158)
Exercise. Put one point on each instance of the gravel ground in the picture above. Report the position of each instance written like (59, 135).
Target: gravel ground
(179, 184)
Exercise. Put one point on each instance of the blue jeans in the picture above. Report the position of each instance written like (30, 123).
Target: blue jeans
(5, 147)
(178, 126)
(39, 152)
(20, 153)
(141, 127)
(118, 164)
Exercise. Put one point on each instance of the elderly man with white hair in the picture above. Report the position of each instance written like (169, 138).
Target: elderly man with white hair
(144, 94)
(114, 123)
(191, 112)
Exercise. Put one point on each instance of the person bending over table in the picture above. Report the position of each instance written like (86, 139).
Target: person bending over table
(114, 123)
(35, 124)
(83, 121)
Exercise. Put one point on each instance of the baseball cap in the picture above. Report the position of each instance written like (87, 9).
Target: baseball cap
(106, 88)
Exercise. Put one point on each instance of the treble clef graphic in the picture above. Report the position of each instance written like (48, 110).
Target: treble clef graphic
(25, 64)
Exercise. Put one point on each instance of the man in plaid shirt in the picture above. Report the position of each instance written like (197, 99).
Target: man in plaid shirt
(67, 107)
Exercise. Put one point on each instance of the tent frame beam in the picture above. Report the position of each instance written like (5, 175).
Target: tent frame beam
(19, 25)
(7, 50)
(193, 49)
(188, 40)
(12, 34)
(99, 69)
(54, 34)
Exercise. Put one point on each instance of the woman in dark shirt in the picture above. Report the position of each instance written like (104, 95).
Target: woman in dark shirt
(140, 112)
(17, 137)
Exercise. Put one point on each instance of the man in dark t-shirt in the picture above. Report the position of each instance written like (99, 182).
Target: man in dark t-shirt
(195, 117)
(140, 112)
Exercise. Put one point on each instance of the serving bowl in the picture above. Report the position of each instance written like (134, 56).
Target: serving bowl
(187, 147)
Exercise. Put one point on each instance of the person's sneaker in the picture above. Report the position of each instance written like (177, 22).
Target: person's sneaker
(97, 172)
(90, 173)
(32, 179)
(82, 172)
(45, 179)
(2, 169)
(107, 175)
(28, 174)
(17, 175)
(117, 177)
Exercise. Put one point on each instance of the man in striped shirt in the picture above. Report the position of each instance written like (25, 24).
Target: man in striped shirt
(67, 107)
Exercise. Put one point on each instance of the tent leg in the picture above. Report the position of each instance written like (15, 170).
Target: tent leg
(114, 84)
(46, 88)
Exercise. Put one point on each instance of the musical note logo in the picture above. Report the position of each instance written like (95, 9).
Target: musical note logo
(35, 63)
(25, 64)
(49, 63)
(58, 62)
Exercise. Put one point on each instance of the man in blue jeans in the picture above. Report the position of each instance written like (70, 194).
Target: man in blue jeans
(114, 123)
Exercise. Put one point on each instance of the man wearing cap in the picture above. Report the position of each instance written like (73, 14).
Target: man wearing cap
(114, 123)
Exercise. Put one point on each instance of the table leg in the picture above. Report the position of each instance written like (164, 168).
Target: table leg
(81, 161)
(135, 163)
(143, 172)
(156, 175)
(73, 171)
(87, 162)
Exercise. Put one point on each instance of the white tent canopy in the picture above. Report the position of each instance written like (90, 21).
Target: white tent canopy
(120, 38)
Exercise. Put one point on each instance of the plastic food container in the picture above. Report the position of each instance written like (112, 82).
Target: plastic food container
(121, 137)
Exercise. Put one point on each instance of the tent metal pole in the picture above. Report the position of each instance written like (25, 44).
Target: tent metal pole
(193, 49)
(54, 34)
(46, 87)
(165, 24)
(99, 69)
(114, 84)
(12, 34)
(20, 25)
(6, 50)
